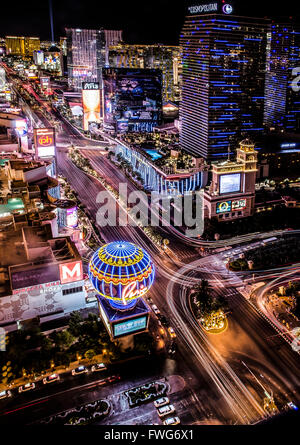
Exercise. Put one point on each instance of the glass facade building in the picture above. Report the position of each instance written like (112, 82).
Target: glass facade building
(223, 81)
(282, 105)
(85, 56)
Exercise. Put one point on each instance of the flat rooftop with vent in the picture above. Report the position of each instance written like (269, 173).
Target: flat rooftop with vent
(40, 276)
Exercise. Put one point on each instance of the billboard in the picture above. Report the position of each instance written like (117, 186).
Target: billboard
(45, 83)
(21, 127)
(130, 326)
(224, 206)
(239, 204)
(24, 279)
(70, 272)
(132, 99)
(230, 183)
(91, 102)
(72, 218)
(44, 142)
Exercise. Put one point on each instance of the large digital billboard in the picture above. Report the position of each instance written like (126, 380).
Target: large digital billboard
(130, 326)
(230, 183)
(91, 102)
(44, 142)
(132, 98)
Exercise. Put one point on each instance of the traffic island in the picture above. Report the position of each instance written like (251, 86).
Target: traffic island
(216, 323)
(82, 415)
(146, 393)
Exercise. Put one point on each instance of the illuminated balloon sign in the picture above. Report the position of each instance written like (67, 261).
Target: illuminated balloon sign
(121, 272)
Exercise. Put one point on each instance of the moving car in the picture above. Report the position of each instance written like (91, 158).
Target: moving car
(79, 370)
(98, 367)
(171, 332)
(172, 421)
(113, 378)
(51, 378)
(164, 320)
(161, 402)
(26, 387)
(292, 405)
(155, 309)
(165, 410)
(5, 394)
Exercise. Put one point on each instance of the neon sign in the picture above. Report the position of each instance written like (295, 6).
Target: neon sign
(131, 291)
(296, 82)
(227, 9)
(223, 207)
(203, 8)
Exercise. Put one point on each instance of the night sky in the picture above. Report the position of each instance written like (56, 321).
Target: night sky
(143, 21)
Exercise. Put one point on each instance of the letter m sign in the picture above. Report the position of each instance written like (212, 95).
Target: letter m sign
(70, 272)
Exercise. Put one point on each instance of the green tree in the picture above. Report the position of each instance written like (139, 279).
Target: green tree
(75, 321)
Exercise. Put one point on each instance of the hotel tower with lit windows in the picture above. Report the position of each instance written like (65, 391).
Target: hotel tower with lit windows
(223, 79)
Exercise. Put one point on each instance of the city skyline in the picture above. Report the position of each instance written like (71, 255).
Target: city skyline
(136, 21)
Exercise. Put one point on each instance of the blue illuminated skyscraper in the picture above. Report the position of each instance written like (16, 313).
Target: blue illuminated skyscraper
(282, 106)
(223, 79)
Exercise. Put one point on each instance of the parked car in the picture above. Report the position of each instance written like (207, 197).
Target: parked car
(26, 387)
(80, 370)
(171, 332)
(161, 402)
(171, 421)
(98, 367)
(165, 410)
(5, 394)
(51, 378)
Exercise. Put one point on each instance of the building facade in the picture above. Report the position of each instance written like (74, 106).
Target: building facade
(223, 79)
(87, 54)
(162, 180)
(231, 194)
(132, 99)
(22, 46)
(165, 58)
(282, 106)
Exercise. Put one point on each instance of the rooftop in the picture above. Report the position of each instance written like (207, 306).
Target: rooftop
(29, 256)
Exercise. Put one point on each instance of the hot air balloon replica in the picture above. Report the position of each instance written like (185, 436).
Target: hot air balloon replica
(122, 272)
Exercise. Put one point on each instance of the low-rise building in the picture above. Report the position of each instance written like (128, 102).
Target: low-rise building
(40, 276)
(231, 194)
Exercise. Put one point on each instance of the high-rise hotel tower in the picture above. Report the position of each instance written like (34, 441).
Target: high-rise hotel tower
(223, 79)
(282, 106)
